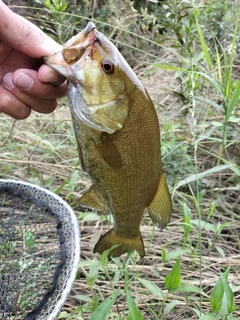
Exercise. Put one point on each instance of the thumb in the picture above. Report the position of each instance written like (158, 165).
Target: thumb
(24, 36)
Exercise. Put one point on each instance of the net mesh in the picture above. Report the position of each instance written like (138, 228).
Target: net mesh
(39, 251)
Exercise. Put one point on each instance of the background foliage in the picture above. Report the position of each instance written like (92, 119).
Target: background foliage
(187, 55)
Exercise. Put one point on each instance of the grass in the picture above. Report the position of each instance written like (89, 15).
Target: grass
(191, 269)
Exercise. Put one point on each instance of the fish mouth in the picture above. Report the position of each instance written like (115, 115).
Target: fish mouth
(73, 50)
(89, 27)
(81, 36)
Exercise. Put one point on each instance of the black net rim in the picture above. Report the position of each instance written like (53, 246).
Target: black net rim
(16, 184)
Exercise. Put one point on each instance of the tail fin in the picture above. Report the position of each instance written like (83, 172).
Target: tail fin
(110, 239)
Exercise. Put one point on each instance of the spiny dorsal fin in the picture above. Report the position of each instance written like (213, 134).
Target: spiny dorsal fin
(160, 209)
(91, 200)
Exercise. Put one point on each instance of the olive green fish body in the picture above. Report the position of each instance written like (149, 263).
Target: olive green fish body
(118, 138)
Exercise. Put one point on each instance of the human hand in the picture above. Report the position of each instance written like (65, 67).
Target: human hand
(26, 83)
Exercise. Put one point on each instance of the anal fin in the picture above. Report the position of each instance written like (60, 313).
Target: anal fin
(91, 200)
(160, 209)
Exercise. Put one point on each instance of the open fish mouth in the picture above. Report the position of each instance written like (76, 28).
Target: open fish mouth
(75, 48)
(72, 51)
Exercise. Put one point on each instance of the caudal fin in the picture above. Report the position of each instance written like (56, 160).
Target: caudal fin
(124, 244)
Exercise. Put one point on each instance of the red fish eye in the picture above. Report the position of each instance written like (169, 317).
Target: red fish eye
(108, 66)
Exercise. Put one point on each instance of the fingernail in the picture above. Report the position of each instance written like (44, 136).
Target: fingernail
(24, 81)
(7, 80)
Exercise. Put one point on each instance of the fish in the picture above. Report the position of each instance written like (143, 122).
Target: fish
(118, 139)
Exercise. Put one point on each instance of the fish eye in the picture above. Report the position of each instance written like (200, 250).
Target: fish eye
(107, 66)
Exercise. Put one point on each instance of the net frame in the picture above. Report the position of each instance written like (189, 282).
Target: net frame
(54, 202)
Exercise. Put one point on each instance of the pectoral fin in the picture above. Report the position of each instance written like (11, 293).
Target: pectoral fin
(109, 152)
(160, 209)
(91, 200)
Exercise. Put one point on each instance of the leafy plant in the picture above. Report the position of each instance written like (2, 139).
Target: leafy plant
(29, 241)
(54, 19)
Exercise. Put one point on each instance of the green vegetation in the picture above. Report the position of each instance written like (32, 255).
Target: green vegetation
(186, 53)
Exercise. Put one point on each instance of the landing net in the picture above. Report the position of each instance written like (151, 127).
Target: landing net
(39, 251)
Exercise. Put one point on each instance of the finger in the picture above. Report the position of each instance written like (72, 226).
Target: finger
(18, 104)
(10, 105)
(47, 74)
(22, 99)
(27, 81)
(41, 99)
(24, 36)
(43, 106)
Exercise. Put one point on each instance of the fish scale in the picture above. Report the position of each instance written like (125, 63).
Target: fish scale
(118, 137)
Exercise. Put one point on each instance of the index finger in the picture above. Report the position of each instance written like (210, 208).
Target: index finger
(24, 36)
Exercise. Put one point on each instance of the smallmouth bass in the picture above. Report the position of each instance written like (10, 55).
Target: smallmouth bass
(118, 138)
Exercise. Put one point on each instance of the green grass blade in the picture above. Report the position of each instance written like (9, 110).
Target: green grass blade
(231, 58)
(227, 75)
(204, 47)
(213, 82)
(189, 288)
(201, 175)
(134, 313)
(168, 67)
(175, 253)
(204, 225)
(233, 101)
(228, 298)
(152, 287)
(101, 312)
(216, 296)
(208, 316)
(168, 308)
(219, 65)
(173, 279)
(229, 295)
